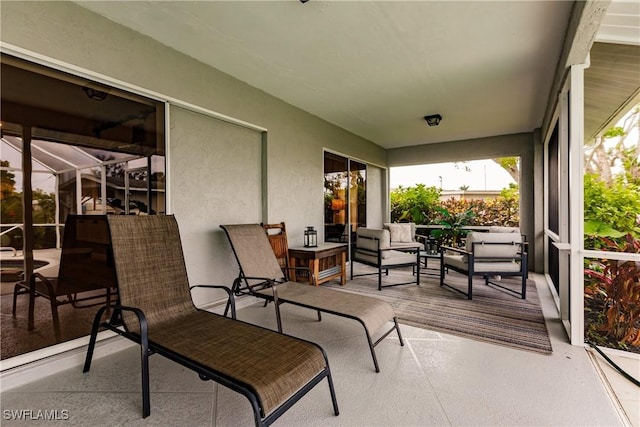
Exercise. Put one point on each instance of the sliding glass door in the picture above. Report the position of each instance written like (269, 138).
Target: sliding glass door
(345, 197)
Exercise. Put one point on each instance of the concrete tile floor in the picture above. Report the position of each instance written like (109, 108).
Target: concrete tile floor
(434, 380)
(624, 393)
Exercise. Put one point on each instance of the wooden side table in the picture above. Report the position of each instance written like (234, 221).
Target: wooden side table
(326, 262)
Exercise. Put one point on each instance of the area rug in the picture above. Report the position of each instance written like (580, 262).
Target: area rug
(492, 316)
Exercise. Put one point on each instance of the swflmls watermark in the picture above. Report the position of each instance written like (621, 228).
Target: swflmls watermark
(35, 414)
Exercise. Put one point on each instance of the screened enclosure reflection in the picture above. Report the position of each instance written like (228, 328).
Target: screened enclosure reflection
(71, 148)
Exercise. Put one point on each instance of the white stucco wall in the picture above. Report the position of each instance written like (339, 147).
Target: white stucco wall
(202, 177)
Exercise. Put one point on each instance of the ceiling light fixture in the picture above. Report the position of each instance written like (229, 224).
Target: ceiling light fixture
(96, 94)
(433, 120)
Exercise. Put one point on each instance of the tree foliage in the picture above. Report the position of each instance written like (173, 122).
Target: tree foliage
(511, 165)
(414, 204)
(423, 206)
(11, 212)
(7, 181)
(606, 154)
(610, 210)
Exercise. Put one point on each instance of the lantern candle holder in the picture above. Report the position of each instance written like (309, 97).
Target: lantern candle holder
(310, 237)
(432, 246)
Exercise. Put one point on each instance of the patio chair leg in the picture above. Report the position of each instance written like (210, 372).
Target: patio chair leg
(15, 299)
(92, 340)
(56, 320)
(332, 391)
(276, 304)
(470, 286)
(373, 352)
(32, 302)
(146, 399)
(395, 321)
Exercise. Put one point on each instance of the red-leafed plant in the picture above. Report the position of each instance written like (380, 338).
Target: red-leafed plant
(614, 288)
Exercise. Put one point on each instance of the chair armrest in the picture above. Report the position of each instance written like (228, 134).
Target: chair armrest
(230, 298)
(142, 320)
(452, 249)
(41, 277)
(48, 282)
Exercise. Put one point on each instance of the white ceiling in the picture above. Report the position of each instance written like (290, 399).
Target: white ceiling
(376, 68)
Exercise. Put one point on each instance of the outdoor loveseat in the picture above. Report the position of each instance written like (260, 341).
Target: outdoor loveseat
(155, 310)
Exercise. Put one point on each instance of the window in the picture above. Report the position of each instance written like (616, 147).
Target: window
(94, 149)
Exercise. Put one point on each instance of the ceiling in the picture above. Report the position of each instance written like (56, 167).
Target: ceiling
(376, 68)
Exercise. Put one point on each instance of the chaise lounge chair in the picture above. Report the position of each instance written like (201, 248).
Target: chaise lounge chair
(261, 276)
(272, 370)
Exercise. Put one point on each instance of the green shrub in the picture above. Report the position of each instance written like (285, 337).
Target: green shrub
(422, 205)
(612, 296)
(610, 210)
(414, 204)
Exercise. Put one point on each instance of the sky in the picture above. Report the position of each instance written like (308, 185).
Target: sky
(477, 174)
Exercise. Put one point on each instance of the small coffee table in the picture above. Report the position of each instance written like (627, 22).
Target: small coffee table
(327, 261)
(424, 268)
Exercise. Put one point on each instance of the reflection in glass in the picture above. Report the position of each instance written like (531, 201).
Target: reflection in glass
(94, 150)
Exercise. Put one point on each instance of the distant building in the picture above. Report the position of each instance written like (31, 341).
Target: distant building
(469, 194)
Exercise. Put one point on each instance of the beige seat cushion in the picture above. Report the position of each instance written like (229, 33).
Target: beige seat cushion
(460, 262)
(508, 248)
(389, 258)
(382, 236)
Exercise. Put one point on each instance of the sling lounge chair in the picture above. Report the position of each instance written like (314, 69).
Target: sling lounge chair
(85, 276)
(272, 370)
(261, 276)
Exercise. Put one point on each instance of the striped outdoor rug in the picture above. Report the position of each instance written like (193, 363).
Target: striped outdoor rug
(493, 315)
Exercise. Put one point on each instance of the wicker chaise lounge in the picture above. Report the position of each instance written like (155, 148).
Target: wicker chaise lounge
(272, 370)
(261, 276)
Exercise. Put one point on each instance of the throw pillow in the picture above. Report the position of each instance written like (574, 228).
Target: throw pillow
(400, 233)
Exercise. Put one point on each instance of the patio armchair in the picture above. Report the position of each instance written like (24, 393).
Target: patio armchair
(85, 276)
(273, 371)
(260, 276)
(491, 255)
(373, 248)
